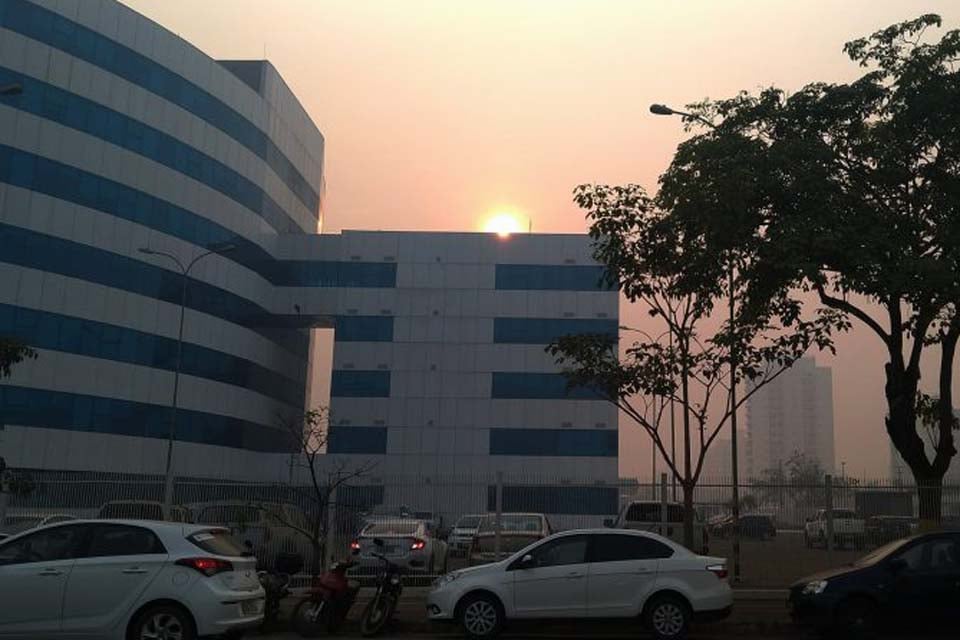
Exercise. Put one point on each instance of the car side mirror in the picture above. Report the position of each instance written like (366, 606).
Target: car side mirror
(608, 523)
(528, 562)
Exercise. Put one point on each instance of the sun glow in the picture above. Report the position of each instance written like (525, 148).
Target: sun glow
(502, 223)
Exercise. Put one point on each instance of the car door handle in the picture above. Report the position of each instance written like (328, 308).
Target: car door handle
(574, 575)
(134, 571)
(50, 572)
(644, 570)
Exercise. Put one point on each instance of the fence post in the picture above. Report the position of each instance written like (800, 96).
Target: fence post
(663, 505)
(330, 542)
(4, 499)
(828, 483)
(499, 513)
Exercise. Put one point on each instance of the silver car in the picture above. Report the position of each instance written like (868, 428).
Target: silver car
(590, 573)
(462, 534)
(410, 544)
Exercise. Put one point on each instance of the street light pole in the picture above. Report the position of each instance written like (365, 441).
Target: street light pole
(172, 433)
(664, 110)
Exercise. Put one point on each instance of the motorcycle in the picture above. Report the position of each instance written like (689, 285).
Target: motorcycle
(327, 604)
(276, 585)
(380, 610)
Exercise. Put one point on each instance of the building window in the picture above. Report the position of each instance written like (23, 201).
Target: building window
(547, 330)
(349, 383)
(568, 500)
(543, 386)
(357, 440)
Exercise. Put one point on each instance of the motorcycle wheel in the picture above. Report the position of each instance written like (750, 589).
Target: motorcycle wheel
(307, 621)
(376, 615)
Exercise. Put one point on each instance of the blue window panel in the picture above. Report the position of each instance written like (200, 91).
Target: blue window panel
(74, 39)
(545, 277)
(57, 332)
(68, 183)
(76, 412)
(357, 440)
(363, 329)
(565, 500)
(63, 107)
(46, 253)
(537, 386)
(553, 442)
(546, 330)
(350, 383)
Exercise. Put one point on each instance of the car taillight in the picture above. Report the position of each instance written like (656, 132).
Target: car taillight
(719, 570)
(355, 545)
(417, 545)
(207, 566)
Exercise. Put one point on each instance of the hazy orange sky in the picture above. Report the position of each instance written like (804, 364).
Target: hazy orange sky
(436, 112)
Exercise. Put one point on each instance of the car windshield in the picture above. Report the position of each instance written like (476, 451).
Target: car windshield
(132, 511)
(879, 553)
(230, 513)
(391, 529)
(468, 522)
(512, 524)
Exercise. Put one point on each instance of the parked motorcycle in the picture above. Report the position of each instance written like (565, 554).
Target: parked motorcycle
(327, 604)
(380, 610)
(276, 584)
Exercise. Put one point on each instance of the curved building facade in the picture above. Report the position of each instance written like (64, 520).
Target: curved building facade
(124, 136)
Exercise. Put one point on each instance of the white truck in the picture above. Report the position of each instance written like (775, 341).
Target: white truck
(645, 515)
(848, 528)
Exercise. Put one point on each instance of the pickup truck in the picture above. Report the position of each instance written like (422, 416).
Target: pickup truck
(848, 528)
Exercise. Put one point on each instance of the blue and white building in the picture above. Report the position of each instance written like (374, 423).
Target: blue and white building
(125, 136)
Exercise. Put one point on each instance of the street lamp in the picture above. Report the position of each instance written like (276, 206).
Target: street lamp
(13, 89)
(218, 248)
(664, 110)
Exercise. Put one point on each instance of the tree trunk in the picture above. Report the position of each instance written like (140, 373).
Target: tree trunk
(688, 519)
(930, 496)
(317, 561)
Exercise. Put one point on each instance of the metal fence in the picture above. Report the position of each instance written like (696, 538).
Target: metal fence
(785, 530)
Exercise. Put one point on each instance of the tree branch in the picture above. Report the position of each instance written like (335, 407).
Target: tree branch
(847, 307)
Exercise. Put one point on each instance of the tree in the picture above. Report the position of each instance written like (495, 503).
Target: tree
(325, 477)
(642, 251)
(848, 194)
(13, 352)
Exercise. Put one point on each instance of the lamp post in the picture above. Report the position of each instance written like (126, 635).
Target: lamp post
(172, 434)
(664, 110)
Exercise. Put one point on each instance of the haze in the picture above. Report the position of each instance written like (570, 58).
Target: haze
(438, 113)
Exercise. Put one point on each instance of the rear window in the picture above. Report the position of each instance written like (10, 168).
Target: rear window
(512, 524)
(217, 542)
(651, 512)
(391, 529)
(232, 514)
(132, 511)
(468, 522)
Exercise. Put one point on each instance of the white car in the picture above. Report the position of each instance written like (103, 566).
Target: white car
(410, 544)
(123, 579)
(590, 573)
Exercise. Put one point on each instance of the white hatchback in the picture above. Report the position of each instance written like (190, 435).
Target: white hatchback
(594, 573)
(124, 579)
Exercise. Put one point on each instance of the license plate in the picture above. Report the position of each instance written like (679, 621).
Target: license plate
(252, 607)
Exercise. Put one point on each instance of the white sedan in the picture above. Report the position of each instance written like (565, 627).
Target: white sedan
(594, 573)
(123, 579)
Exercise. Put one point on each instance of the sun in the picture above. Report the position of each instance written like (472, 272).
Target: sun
(502, 223)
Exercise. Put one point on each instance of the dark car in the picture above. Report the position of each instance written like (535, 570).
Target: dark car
(913, 581)
(884, 529)
(756, 526)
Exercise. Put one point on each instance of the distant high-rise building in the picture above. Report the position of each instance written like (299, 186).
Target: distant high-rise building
(791, 415)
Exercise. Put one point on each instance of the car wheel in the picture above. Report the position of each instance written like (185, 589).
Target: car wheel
(856, 618)
(162, 621)
(481, 617)
(668, 617)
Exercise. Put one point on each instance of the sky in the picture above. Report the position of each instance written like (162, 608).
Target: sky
(438, 113)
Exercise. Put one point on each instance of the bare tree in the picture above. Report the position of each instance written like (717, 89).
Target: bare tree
(325, 475)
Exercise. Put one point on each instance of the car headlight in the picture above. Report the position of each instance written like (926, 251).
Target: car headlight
(444, 580)
(814, 588)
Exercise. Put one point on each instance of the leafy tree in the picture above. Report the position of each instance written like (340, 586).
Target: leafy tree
(643, 253)
(13, 352)
(848, 194)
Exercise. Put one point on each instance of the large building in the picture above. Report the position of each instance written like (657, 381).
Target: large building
(118, 137)
(790, 415)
